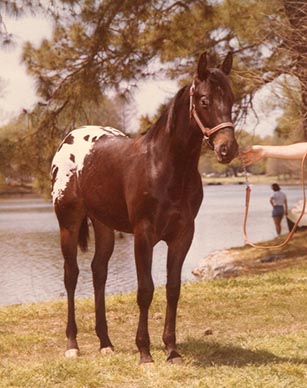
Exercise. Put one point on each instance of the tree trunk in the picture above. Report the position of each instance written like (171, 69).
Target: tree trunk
(296, 42)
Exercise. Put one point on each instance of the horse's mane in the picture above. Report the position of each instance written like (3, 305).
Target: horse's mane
(167, 120)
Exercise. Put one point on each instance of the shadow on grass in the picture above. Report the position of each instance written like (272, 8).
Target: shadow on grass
(207, 354)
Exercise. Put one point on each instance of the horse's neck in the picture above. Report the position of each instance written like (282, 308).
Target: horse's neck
(186, 151)
(180, 142)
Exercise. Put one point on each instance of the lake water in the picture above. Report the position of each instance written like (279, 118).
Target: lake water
(32, 264)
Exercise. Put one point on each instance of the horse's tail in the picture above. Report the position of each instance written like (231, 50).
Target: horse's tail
(83, 235)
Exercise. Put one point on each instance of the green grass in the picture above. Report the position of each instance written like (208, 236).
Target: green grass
(259, 339)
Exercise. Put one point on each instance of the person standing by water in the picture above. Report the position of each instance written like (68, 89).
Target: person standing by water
(280, 206)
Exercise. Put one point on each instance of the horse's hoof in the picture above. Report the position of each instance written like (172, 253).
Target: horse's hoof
(72, 353)
(106, 351)
(146, 360)
(147, 365)
(175, 358)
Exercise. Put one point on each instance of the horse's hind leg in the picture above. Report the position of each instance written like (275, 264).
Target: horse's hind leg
(70, 214)
(69, 241)
(104, 245)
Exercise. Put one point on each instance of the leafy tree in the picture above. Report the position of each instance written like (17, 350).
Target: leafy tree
(294, 45)
(97, 45)
(13, 155)
(102, 45)
(26, 153)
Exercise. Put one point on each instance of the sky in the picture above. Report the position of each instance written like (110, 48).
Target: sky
(19, 87)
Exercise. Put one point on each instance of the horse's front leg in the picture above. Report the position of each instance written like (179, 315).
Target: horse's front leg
(143, 258)
(177, 250)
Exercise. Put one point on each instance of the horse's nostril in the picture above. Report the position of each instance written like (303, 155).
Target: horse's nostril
(224, 150)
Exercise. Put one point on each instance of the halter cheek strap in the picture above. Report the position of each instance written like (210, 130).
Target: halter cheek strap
(205, 130)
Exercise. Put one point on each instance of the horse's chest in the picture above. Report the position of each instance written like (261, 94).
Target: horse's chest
(166, 203)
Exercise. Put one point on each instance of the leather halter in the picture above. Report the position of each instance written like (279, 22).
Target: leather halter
(205, 130)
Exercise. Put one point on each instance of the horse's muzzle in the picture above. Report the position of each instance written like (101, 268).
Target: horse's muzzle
(225, 150)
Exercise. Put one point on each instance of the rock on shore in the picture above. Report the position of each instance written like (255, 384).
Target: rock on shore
(218, 264)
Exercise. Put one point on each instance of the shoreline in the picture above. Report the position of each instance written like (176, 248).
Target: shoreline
(252, 179)
(6, 189)
(238, 261)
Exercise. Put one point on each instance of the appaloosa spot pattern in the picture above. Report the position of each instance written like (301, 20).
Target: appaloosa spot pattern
(69, 158)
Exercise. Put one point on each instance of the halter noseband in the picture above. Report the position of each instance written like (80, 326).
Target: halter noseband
(205, 130)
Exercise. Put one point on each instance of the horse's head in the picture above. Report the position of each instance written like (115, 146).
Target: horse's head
(211, 106)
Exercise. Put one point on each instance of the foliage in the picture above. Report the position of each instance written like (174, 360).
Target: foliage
(13, 154)
(106, 43)
(293, 37)
(26, 152)
(261, 34)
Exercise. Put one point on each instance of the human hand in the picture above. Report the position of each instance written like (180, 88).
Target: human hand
(251, 155)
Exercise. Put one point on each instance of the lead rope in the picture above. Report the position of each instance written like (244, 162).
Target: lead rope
(247, 200)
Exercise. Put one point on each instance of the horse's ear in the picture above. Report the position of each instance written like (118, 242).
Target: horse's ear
(227, 64)
(202, 71)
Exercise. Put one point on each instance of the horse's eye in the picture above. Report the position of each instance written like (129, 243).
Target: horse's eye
(204, 101)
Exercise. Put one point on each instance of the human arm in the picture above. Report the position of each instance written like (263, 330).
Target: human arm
(271, 201)
(257, 152)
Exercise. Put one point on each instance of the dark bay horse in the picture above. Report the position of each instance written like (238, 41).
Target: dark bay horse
(149, 186)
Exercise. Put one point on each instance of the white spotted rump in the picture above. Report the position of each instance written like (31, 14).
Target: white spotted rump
(69, 158)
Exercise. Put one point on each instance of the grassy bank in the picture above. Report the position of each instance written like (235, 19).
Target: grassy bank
(253, 179)
(259, 340)
(246, 260)
(15, 189)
